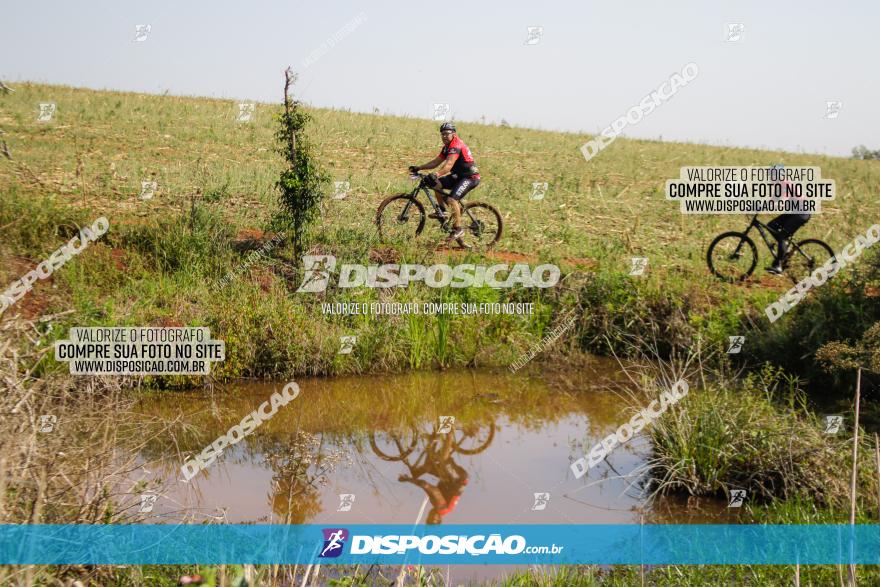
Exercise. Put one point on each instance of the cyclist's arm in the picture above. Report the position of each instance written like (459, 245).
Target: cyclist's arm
(432, 163)
(447, 165)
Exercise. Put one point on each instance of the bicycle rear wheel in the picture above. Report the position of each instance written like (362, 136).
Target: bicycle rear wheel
(400, 217)
(805, 256)
(482, 225)
(732, 256)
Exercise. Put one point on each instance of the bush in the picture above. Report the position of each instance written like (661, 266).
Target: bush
(196, 242)
(736, 436)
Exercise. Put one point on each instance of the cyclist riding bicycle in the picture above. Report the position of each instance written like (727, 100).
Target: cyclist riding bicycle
(784, 226)
(458, 174)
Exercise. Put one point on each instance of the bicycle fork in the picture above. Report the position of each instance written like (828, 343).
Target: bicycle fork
(404, 214)
(742, 241)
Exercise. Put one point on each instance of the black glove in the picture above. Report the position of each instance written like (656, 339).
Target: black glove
(431, 179)
(413, 168)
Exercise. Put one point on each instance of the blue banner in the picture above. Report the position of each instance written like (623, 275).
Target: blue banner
(145, 544)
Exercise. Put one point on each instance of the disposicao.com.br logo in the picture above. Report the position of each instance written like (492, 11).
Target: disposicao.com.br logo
(319, 269)
(455, 544)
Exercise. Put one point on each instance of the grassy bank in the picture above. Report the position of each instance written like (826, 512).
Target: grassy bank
(757, 434)
(163, 256)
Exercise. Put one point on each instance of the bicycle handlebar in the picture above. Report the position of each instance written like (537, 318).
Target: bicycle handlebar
(418, 176)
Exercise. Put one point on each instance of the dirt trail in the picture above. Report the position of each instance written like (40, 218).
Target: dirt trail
(514, 257)
(254, 238)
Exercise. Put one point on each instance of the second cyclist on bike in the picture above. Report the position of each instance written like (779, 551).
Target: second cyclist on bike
(458, 174)
(784, 226)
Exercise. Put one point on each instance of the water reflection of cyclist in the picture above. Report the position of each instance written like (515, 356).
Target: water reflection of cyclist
(451, 477)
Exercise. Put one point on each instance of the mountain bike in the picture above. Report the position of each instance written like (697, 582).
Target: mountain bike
(403, 216)
(732, 256)
(468, 439)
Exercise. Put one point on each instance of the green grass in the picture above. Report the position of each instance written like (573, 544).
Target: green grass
(756, 434)
(687, 576)
(216, 177)
(613, 202)
(537, 576)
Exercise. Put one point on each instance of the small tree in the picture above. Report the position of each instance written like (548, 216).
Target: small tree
(302, 183)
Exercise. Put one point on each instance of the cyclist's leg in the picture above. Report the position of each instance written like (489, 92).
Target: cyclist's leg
(447, 182)
(777, 227)
(784, 227)
(436, 188)
(465, 185)
(792, 224)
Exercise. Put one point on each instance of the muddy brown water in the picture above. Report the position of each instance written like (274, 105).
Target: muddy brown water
(385, 441)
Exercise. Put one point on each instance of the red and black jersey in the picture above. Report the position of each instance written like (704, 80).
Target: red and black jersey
(464, 162)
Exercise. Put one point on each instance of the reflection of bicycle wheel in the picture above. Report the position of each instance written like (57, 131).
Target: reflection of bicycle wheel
(732, 256)
(805, 257)
(399, 445)
(474, 439)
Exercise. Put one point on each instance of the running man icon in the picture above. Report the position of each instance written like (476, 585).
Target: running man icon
(334, 540)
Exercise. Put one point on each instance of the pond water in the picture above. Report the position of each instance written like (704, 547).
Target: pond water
(447, 447)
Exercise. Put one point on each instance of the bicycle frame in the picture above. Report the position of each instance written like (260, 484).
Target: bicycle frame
(434, 203)
(763, 229)
(422, 187)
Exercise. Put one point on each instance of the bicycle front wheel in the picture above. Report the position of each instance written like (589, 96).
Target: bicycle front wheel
(400, 217)
(482, 225)
(805, 256)
(396, 446)
(732, 256)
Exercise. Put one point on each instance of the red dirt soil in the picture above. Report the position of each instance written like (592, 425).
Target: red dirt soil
(34, 303)
(166, 322)
(118, 256)
(251, 235)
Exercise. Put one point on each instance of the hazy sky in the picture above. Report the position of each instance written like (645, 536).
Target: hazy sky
(594, 61)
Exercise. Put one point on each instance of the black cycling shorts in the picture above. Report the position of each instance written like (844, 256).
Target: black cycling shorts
(788, 224)
(459, 187)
